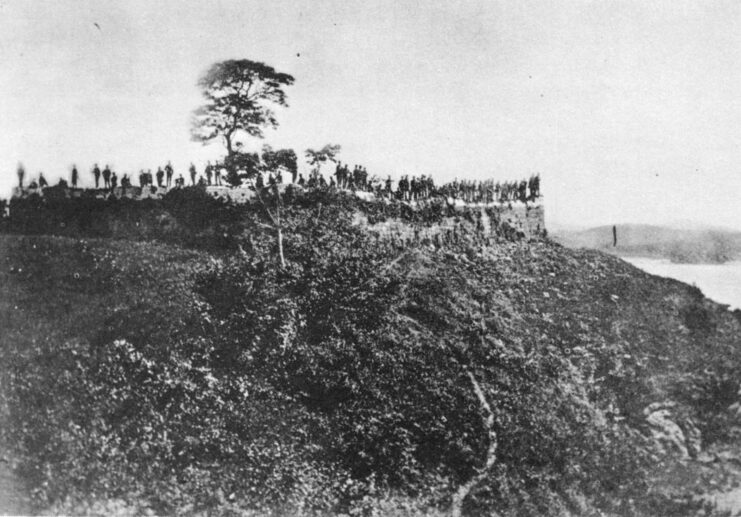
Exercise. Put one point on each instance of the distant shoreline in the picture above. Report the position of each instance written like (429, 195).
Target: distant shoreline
(720, 282)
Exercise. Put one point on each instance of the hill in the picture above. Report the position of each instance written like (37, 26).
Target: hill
(364, 376)
(686, 245)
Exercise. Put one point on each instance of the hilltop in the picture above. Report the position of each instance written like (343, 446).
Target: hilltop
(685, 245)
(150, 372)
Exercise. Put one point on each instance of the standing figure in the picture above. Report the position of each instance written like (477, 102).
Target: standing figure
(106, 177)
(96, 174)
(21, 175)
(169, 172)
(338, 173)
(114, 180)
(42, 180)
(217, 175)
(209, 170)
(74, 176)
(161, 176)
(192, 174)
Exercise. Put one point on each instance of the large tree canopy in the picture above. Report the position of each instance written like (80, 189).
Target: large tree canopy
(240, 97)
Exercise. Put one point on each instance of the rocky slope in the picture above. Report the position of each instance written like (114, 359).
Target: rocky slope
(362, 376)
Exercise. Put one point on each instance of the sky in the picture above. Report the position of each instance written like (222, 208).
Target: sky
(629, 110)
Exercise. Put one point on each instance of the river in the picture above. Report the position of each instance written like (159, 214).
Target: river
(719, 282)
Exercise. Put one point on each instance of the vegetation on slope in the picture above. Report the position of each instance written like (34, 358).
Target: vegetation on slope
(158, 378)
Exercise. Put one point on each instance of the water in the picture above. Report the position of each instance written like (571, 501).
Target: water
(719, 282)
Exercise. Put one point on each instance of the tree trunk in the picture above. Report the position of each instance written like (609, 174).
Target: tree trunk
(280, 248)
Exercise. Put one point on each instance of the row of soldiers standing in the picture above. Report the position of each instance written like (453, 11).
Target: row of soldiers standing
(413, 189)
(488, 191)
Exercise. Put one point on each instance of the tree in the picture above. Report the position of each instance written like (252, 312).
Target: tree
(275, 160)
(240, 97)
(327, 153)
(240, 165)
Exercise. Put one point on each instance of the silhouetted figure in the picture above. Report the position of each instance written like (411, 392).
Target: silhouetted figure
(192, 174)
(217, 176)
(209, 170)
(614, 235)
(21, 175)
(294, 175)
(259, 181)
(74, 177)
(114, 180)
(180, 182)
(169, 172)
(42, 180)
(160, 174)
(301, 180)
(338, 173)
(106, 177)
(96, 175)
(125, 182)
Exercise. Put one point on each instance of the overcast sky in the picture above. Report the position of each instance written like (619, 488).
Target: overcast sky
(630, 110)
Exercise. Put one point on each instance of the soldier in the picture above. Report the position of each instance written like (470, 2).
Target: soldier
(301, 180)
(356, 176)
(404, 187)
(363, 178)
(169, 172)
(522, 189)
(42, 180)
(192, 171)
(209, 170)
(21, 175)
(389, 185)
(96, 174)
(114, 180)
(217, 175)
(180, 181)
(74, 176)
(535, 186)
(124, 183)
(161, 177)
(106, 177)
(338, 173)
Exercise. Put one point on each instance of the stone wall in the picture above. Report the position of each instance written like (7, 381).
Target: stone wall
(512, 221)
(483, 221)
